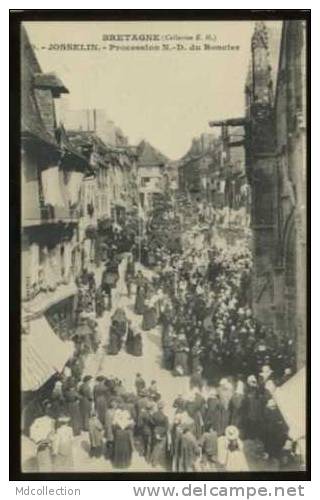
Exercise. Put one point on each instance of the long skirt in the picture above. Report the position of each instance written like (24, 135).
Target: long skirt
(195, 363)
(101, 408)
(75, 415)
(129, 344)
(168, 356)
(122, 451)
(149, 318)
(85, 410)
(165, 330)
(137, 347)
(198, 422)
(114, 344)
(139, 304)
(63, 463)
(181, 363)
(159, 453)
(44, 460)
(236, 461)
(222, 419)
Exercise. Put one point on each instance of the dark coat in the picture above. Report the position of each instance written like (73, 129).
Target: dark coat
(73, 407)
(101, 396)
(189, 452)
(137, 345)
(86, 401)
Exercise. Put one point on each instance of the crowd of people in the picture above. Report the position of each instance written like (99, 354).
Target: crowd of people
(209, 429)
(199, 300)
(202, 299)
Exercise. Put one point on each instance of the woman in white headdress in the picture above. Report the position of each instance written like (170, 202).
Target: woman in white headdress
(235, 460)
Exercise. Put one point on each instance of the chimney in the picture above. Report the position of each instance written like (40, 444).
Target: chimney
(88, 120)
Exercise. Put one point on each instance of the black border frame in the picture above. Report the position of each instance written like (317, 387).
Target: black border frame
(15, 19)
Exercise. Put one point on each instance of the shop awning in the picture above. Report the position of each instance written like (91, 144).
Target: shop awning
(43, 354)
(291, 400)
(43, 301)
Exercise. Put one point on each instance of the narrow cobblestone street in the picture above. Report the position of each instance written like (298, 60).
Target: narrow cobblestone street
(125, 367)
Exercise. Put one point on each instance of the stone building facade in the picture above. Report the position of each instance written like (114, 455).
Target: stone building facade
(276, 168)
(195, 168)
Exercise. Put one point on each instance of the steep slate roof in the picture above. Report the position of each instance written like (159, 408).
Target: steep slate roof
(196, 151)
(31, 121)
(68, 146)
(148, 156)
(84, 138)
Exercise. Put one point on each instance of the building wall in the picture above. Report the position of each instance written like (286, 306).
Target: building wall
(48, 259)
(293, 159)
(47, 108)
(277, 173)
(150, 183)
(30, 196)
(49, 241)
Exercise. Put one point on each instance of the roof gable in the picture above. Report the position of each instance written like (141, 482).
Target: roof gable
(150, 156)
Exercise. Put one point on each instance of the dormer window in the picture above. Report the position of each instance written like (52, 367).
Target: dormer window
(49, 81)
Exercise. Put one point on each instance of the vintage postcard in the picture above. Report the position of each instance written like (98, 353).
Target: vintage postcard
(163, 245)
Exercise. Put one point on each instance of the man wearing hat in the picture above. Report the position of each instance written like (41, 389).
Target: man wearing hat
(143, 400)
(179, 403)
(196, 379)
(153, 392)
(145, 426)
(139, 384)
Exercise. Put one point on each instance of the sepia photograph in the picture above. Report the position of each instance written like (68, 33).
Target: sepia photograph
(164, 291)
